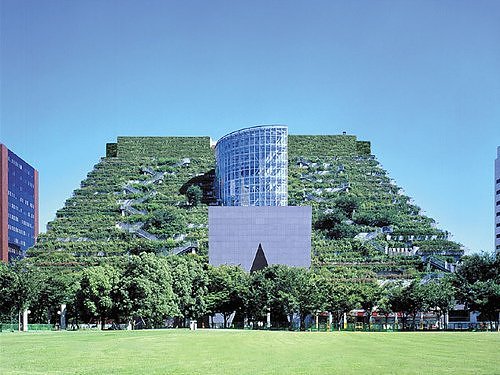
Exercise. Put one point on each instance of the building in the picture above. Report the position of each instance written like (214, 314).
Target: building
(497, 202)
(254, 237)
(18, 205)
(256, 227)
(252, 167)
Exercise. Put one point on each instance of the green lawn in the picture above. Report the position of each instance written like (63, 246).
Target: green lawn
(248, 352)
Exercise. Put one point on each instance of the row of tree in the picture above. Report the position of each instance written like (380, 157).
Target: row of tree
(147, 289)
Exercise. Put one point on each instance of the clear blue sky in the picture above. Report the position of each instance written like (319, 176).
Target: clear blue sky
(419, 79)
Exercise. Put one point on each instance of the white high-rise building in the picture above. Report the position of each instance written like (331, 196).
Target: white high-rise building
(497, 202)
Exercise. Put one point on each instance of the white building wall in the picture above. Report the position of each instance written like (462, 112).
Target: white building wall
(497, 202)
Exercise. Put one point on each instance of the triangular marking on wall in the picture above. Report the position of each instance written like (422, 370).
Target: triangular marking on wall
(260, 261)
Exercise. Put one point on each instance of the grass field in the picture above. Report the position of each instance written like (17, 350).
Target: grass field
(248, 352)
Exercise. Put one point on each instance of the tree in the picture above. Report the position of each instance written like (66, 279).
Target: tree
(478, 267)
(340, 296)
(194, 195)
(415, 299)
(56, 287)
(438, 296)
(376, 218)
(228, 288)
(384, 304)
(477, 283)
(369, 295)
(168, 221)
(486, 299)
(284, 291)
(406, 299)
(189, 284)
(18, 287)
(348, 204)
(332, 222)
(146, 290)
(259, 295)
(96, 296)
(285, 300)
(8, 284)
(329, 219)
(342, 230)
(309, 297)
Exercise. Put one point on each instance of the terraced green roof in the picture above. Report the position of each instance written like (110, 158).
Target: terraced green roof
(141, 176)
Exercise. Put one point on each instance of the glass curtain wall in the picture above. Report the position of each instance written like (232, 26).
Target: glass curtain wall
(252, 167)
(21, 212)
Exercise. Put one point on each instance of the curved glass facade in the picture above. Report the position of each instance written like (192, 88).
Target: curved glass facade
(252, 167)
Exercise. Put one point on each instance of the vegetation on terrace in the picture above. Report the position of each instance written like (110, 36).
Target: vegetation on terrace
(351, 194)
(88, 224)
(142, 189)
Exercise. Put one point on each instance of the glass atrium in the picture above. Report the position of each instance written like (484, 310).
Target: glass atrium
(252, 167)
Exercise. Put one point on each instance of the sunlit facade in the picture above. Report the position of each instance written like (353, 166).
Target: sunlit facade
(497, 202)
(252, 167)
